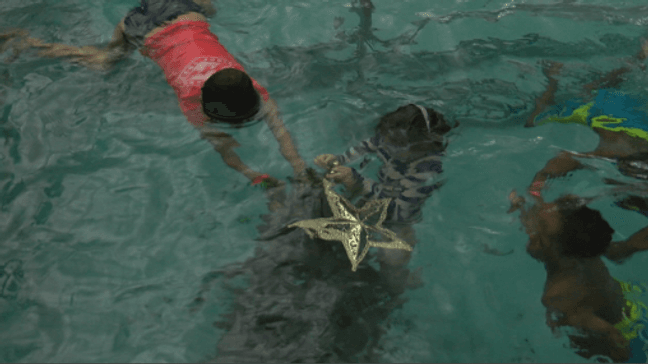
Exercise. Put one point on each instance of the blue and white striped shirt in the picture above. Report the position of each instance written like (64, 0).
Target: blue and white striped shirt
(402, 181)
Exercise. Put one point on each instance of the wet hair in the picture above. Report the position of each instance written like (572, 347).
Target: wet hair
(208, 8)
(407, 127)
(228, 96)
(584, 233)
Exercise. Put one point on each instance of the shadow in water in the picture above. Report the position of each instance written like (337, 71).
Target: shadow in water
(302, 302)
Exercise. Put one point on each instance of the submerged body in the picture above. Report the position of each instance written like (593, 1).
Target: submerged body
(585, 296)
(621, 122)
(410, 144)
(303, 303)
(579, 292)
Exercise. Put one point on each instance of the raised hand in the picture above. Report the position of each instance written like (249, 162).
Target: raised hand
(341, 174)
(516, 202)
(551, 68)
(325, 160)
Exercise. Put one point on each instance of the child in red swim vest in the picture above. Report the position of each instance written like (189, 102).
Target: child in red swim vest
(212, 86)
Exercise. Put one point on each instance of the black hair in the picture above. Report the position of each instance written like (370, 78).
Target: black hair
(228, 96)
(584, 233)
(406, 126)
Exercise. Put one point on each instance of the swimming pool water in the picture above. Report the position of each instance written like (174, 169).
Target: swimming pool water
(112, 210)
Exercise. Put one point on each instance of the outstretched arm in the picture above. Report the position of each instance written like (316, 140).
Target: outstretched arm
(224, 144)
(90, 56)
(620, 251)
(610, 79)
(559, 166)
(547, 98)
(613, 78)
(615, 345)
(286, 145)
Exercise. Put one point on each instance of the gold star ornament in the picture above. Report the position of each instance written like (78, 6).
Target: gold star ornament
(349, 225)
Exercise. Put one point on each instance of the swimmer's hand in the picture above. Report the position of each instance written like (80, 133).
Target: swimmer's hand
(551, 68)
(341, 174)
(272, 182)
(266, 181)
(325, 160)
(516, 202)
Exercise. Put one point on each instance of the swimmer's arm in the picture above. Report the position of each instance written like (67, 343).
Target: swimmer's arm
(353, 182)
(619, 251)
(224, 144)
(546, 99)
(613, 78)
(550, 70)
(565, 297)
(361, 186)
(610, 80)
(366, 146)
(286, 145)
(558, 166)
(90, 56)
(584, 318)
(233, 161)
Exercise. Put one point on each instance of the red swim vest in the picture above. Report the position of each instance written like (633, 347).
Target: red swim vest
(189, 54)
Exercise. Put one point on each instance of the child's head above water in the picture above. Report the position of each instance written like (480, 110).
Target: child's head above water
(228, 96)
(416, 126)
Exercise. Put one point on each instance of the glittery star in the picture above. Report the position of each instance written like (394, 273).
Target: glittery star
(348, 224)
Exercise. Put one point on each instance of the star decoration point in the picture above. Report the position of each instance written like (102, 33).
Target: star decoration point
(348, 223)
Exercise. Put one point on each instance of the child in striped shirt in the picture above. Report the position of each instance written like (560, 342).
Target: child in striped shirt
(410, 142)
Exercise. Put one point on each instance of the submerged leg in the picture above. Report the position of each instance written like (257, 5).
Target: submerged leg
(17, 40)
(89, 56)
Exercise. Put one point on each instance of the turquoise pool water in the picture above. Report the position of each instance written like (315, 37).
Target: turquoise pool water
(112, 210)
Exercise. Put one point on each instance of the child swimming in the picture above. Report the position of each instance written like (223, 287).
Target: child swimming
(619, 119)
(410, 142)
(570, 239)
(213, 88)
